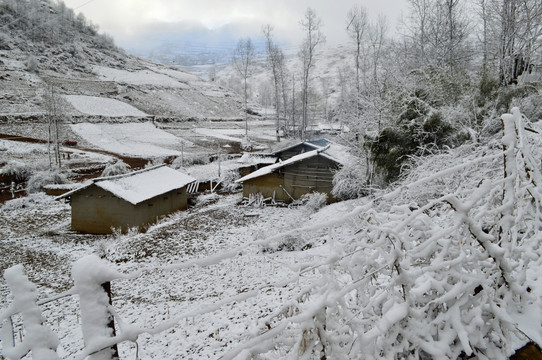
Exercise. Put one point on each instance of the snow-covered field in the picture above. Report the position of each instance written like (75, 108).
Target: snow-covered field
(93, 105)
(223, 134)
(164, 77)
(135, 139)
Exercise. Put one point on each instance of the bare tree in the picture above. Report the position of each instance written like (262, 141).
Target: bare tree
(376, 86)
(438, 33)
(243, 61)
(419, 18)
(356, 28)
(521, 29)
(311, 24)
(456, 32)
(53, 114)
(283, 76)
(274, 59)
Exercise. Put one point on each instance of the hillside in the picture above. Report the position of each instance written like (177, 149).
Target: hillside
(45, 49)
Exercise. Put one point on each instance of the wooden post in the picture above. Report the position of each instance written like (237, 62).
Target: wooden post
(114, 349)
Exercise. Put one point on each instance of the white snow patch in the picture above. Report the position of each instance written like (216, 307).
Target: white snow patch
(28, 150)
(140, 77)
(93, 105)
(177, 74)
(136, 139)
(222, 134)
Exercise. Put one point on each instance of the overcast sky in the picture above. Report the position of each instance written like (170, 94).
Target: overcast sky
(129, 19)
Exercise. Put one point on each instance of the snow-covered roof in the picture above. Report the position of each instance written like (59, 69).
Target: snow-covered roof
(308, 143)
(294, 159)
(141, 185)
(257, 158)
(332, 150)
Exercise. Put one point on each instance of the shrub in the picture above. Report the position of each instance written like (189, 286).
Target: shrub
(32, 64)
(508, 94)
(117, 168)
(350, 182)
(312, 201)
(155, 162)
(228, 181)
(189, 159)
(39, 180)
(416, 131)
(4, 42)
(17, 170)
(388, 151)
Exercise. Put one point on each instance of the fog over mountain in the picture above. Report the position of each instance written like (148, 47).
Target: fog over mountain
(188, 42)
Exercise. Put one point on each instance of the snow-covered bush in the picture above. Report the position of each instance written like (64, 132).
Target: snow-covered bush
(312, 201)
(415, 131)
(17, 170)
(4, 41)
(117, 168)
(190, 159)
(531, 106)
(511, 95)
(287, 243)
(39, 180)
(228, 180)
(246, 144)
(350, 182)
(32, 64)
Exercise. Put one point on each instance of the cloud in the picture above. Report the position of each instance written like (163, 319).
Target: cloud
(130, 20)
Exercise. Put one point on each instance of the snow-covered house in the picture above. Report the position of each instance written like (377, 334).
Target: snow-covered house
(302, 168)
(126, 201)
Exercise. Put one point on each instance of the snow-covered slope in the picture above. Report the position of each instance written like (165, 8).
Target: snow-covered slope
(76, 61)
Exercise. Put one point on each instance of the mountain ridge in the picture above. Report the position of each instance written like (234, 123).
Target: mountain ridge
(45, 49)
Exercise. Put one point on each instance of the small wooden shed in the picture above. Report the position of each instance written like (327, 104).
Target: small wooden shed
(127, 201)
(306, 168)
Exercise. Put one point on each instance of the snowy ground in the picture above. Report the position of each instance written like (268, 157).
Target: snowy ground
(38, 236)
(35, 155)
(151, 140)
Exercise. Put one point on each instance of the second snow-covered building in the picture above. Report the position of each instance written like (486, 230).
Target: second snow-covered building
(303, 168)
(127, 201)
